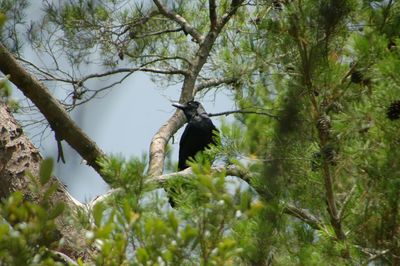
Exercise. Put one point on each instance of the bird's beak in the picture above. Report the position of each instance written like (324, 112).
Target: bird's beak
(179, 106)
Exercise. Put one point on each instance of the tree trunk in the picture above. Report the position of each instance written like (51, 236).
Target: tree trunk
(18, 156)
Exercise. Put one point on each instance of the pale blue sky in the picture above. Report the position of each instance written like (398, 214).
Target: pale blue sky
(122, 122)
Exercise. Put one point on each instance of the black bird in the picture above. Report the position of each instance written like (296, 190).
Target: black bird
(199, 133)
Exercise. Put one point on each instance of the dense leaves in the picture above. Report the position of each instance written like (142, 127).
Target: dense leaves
(323, 170)
(28, 230)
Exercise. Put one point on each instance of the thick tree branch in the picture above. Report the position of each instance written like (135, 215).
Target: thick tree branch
(214, 83)
(187, 27)
(161, 180)
(213, 15)
(230, 170)
(304, 215)
(58, 256)
(52, 110)
(161, 138)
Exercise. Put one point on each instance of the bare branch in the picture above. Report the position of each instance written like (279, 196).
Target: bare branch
(187, 27)
(158, 33)
(103, 197)
(346, 201)
(243, 112)
(161, 138)
(161, 180)
(62, 257)
(214, 83)
(230, 170)
(55, 114)
(42, 72)
(376, 255)
(304, 215)
(131, 70)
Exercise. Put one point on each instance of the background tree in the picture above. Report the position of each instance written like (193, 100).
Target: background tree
(315, 138)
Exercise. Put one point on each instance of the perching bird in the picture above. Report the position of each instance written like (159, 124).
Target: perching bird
(199, 132)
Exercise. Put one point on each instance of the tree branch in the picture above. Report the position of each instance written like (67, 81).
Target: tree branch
(158, 33)
(213, 15)
(52, 110)
(63, 258)
(304, 215)
(375, 256)
(346, 201)
(243, 112)
(161, 180)
(214, 83)
(132, 70)
(230, 170)
(187, 27)
(161, 138)
(235, 4)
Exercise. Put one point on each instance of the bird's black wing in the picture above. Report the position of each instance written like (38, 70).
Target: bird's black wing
(196, 137)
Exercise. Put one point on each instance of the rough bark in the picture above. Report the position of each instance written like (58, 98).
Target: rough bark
(18, 157)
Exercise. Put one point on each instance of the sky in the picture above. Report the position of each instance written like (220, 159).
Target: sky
(122, 122)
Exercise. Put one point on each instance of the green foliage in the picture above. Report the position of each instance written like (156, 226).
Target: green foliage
(2, 20)
(6, 90)
(143, 231)
(45, 171)
(28, 230)
(121, 173)
(328, 72)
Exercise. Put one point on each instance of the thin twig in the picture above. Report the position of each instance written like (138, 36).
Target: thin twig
(158, 33)
(244, 112)
(375, 255)
(346, 201)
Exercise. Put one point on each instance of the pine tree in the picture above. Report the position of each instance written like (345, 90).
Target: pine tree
(314, 141)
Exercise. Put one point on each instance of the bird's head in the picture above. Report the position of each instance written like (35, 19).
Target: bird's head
(191, 109)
